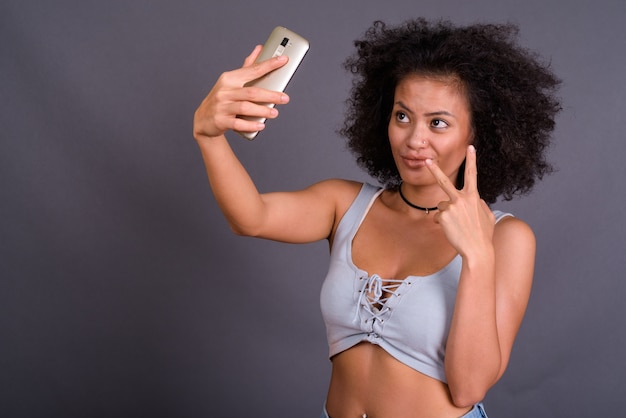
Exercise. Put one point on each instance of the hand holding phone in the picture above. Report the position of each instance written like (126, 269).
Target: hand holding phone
(281, 41)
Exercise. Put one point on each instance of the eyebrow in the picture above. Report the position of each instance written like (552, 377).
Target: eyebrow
(430, 114)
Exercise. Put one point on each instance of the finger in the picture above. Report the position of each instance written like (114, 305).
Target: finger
(485, 206)
(443, 206)
(243, 125)
(253, 56)
(253, 110)
(443, 180)
(471, 172)
(259, 68)
(251, 116)
(255, 99)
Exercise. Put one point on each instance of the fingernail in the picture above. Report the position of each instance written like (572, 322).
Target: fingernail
(284, 98)
(429, 161)
(281, 58)
(273, 112)
(472, 148)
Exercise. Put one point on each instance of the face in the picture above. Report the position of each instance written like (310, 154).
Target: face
(430, 119)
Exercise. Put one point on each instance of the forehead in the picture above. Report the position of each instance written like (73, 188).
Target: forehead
(438, 90)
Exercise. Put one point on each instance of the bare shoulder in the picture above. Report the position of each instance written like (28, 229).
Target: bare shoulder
(515, 247)
(342, 192)
(513, 231)
(338, 185)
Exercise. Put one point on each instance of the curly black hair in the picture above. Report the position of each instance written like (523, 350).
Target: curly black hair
(511, 96)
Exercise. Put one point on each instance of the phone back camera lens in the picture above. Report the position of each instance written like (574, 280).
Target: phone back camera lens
(284, 42)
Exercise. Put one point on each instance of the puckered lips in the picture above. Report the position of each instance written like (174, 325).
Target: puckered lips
(415, 161)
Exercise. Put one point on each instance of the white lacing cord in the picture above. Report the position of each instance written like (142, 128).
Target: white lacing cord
(372, 293)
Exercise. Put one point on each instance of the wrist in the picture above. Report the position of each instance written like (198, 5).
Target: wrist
(479, 256)
(202, 139)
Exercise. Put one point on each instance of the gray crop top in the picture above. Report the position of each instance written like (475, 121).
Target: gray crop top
(412, 324)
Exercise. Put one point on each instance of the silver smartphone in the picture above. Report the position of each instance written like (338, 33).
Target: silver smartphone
(281, 41)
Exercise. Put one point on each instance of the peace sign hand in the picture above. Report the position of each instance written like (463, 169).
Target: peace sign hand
(467, 221)
(229, 98)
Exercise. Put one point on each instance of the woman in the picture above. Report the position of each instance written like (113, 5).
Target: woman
(427, 286)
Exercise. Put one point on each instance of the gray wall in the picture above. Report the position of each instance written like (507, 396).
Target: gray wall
(122, 291)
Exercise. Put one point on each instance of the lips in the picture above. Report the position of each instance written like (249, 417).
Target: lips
(415, 162)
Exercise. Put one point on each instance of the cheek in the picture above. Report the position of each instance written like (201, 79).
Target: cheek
(452, 162)
(460, 157)
(391, 132)
(394, 139)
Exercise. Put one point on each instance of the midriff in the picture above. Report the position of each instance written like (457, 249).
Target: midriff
(365, 379)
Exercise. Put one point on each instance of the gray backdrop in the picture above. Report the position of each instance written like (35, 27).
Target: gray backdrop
(124, 294)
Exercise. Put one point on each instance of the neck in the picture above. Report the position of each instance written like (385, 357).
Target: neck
(413, 205)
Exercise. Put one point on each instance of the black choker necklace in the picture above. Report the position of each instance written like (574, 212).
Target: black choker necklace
(412, 205)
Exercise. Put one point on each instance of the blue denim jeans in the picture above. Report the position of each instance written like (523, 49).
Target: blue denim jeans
(478, 411)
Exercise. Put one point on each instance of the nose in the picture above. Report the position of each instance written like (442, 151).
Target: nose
(418, 140)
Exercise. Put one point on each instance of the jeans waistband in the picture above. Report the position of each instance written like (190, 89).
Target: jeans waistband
(478, 411)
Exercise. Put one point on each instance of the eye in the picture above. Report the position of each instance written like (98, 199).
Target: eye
(439, 123)
(402, 117)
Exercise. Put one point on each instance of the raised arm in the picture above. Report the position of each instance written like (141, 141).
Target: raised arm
(494, 287)
(302, 216)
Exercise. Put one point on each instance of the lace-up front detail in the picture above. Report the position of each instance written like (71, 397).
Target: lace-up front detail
(376, 298)
(374, 294)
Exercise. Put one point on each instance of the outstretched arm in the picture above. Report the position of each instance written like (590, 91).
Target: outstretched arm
(302, 216)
